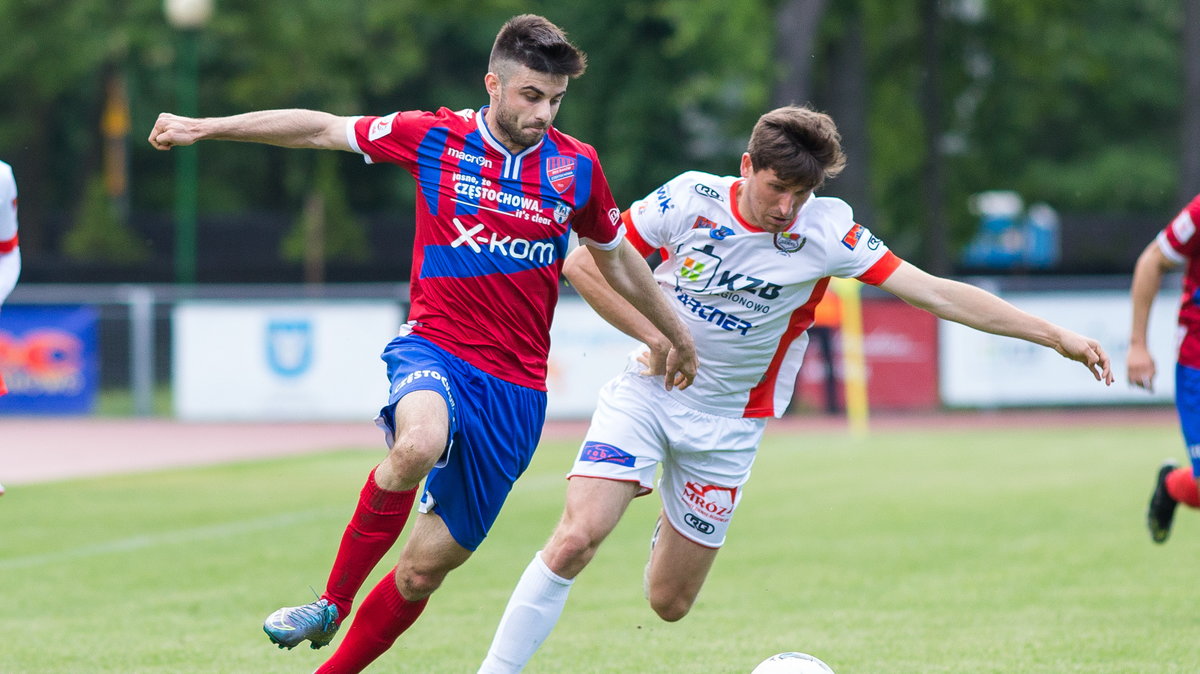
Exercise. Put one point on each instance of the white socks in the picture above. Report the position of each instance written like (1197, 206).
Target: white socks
(532, 611)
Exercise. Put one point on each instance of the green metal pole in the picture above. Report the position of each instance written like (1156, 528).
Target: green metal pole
(186, 164)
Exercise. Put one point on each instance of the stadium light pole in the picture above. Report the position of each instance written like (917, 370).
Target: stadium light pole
(187, 17)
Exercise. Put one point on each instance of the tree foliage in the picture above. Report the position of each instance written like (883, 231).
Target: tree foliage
(1077, 102)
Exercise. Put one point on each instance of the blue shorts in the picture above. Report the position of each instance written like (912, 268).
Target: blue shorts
(1187, 402)
(494, 428)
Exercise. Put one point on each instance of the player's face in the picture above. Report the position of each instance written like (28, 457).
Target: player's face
(524, 104)
(767, 202)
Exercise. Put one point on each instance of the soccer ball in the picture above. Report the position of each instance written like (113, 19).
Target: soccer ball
(792, 663)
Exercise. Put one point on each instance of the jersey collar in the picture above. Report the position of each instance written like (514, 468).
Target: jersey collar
(490, 139)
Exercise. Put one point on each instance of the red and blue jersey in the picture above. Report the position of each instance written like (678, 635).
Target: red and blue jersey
(492, 229)
(1178, 241)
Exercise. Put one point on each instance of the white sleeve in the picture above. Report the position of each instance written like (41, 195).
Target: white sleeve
(659, 217)
(857, 249)
(10, 269)
(8, 205)
(10, 254)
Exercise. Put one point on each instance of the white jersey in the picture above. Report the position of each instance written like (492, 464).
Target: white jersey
(748, 295)
(10, 256)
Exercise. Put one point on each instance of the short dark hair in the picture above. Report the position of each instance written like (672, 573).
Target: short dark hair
(537, 44)
(802, 146)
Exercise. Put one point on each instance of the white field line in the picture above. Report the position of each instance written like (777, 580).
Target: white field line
(211, 532)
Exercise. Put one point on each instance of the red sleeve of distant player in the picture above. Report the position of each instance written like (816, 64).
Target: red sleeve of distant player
(1194, 209)
(881, 270)
(8, 246)
(1181, 233)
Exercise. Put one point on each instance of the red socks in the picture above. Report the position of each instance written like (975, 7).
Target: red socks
(382, 618)
(1181, 485)
(376, 524)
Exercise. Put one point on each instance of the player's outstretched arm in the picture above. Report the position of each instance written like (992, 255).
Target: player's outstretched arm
(1148, 273)
(979, 309)
(285, 128)
(617, 283)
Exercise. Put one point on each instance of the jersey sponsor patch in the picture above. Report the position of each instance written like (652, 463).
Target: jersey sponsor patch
(1183, 227)
(600, 452)
(663, 194)
(381, 127)
(709, 192)
(852, 237)
(720, 233)
(710, 500)
(560, 171)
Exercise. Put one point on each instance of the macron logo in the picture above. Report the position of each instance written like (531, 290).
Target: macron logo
(469, 158)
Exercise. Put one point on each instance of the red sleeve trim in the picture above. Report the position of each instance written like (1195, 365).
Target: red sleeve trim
(8, 246)
(881, 270)
(636, 239)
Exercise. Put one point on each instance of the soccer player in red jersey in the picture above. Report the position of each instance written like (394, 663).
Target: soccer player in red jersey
(498, 191)
(1175, 245)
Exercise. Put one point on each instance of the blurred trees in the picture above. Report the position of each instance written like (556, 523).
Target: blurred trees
(1077, 103)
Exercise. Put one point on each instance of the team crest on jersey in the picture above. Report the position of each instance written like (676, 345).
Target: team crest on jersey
(790, 242)
(851, 239)
(704, 223)
(562, 212)
(560, 171)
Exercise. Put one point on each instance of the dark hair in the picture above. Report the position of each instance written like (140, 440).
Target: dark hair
(802, 146)
(537, 44)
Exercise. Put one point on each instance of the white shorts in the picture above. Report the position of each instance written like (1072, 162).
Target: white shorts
(705, 458)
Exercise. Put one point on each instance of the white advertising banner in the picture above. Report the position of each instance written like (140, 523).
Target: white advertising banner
(285, 360)
(983, 370)
(585, 352)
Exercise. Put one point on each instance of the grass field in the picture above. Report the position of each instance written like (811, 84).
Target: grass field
(924, 551)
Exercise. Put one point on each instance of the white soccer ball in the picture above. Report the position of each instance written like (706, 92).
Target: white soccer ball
(792, 663)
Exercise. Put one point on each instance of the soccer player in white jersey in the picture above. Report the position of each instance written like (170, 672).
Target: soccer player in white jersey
(10, 253)
(746, 260)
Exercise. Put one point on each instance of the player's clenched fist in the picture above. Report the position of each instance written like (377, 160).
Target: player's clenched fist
(171, 130)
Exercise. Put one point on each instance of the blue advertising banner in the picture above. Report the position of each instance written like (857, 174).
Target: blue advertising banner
(49, 359)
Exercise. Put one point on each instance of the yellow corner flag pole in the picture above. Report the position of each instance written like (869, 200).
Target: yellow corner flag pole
(854, 361)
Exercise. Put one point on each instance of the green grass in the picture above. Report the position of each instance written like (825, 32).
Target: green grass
(120, 403)
(917, 551)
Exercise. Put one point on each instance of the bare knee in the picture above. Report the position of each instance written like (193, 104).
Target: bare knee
(415, 584)
(570, 549)
(670, 606)
(412, 456)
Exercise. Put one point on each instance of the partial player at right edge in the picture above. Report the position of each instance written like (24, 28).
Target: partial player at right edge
(1176, 245)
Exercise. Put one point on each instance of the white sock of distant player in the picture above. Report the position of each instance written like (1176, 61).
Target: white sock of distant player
(532, 611)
